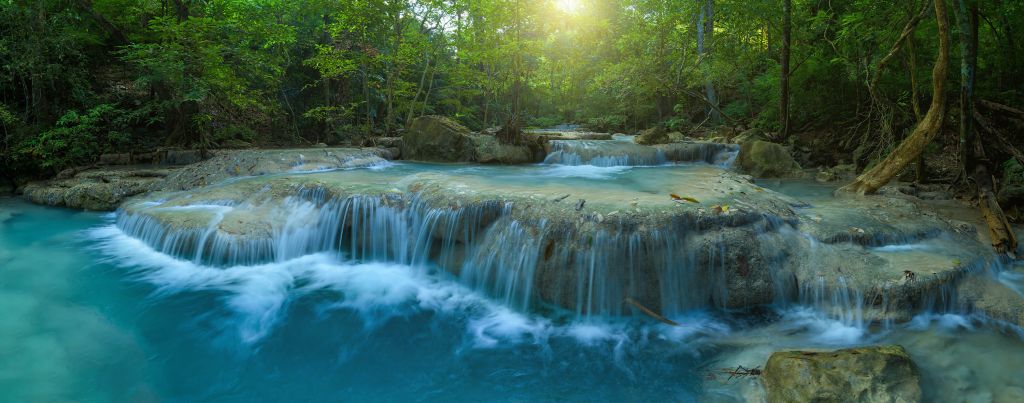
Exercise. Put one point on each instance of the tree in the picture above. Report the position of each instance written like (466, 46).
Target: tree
(787, 27)
(911, 147)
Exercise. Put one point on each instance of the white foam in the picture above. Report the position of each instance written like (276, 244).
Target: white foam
(944, 321)
(822, 329)
(259, 295)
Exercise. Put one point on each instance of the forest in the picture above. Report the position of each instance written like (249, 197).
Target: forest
(843, 80)
(512, 200)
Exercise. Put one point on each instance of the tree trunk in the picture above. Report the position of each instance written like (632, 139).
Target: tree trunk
(967, 18)
(912, 146)
(787, 16)
(705, 38)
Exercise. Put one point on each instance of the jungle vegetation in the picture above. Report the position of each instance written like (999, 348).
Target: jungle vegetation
(852, 79)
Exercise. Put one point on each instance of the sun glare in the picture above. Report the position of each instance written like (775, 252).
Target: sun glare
(569, 6)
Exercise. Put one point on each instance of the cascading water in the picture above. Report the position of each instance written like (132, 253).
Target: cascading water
(604, 153)
(443, 268)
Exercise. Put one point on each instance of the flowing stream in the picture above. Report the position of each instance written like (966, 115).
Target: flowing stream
(93, 314)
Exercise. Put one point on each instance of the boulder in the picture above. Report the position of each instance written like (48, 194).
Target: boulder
(864, 374)
(652, 136)
(767, 160)
(437, 138)
(487, 149)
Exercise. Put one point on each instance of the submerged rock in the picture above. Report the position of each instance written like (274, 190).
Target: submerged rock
(864, 374)
(723, 242)
(767, 160)
(104, 189)
(994, 298)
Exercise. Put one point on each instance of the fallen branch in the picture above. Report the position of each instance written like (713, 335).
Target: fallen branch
(995, 106)
(651, 313)
(1004, 240)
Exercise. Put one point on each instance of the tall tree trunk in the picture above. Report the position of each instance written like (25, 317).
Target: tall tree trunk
(915, 103)
(705, 40)
(967, 18)
(787, 17)
(912, 146)
(366, 98)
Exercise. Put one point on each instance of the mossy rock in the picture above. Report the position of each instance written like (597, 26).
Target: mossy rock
(767, 160)
(652, 136)
(437, 138)
(1012, 190)
(863, 374)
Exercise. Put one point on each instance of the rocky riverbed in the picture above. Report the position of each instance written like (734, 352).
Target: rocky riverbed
(603, 228)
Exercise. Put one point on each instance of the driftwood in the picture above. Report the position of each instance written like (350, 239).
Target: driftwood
(651, 313)
(1004, 240)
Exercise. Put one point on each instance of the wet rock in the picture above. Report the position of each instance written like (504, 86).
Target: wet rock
(488, 150)
(390, 153)
(697, 151)
(865, 374)
(993, 298)
(104, 189)
(437, 138)
(652, 136)
(98, 189)
(767, 160)
(229, 164)
(839, 172)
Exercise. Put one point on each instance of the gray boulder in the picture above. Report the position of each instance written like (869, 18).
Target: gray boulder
(864, 374)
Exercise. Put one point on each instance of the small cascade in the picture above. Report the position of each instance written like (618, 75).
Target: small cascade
(588, 269)
(624, 152)
(529, 249)
(603, 153)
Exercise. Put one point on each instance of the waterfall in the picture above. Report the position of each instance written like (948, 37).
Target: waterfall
(606, 153)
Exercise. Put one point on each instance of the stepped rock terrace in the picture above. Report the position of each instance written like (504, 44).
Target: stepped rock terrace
(582, 238)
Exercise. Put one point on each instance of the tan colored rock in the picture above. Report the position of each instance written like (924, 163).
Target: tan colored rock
(863, 374)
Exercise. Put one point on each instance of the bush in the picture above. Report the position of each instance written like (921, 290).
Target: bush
(609, 123)
(78, 139)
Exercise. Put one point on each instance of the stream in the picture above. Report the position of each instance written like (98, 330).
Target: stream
(93, 314)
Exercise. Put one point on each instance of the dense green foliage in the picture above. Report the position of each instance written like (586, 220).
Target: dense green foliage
(80, 78)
